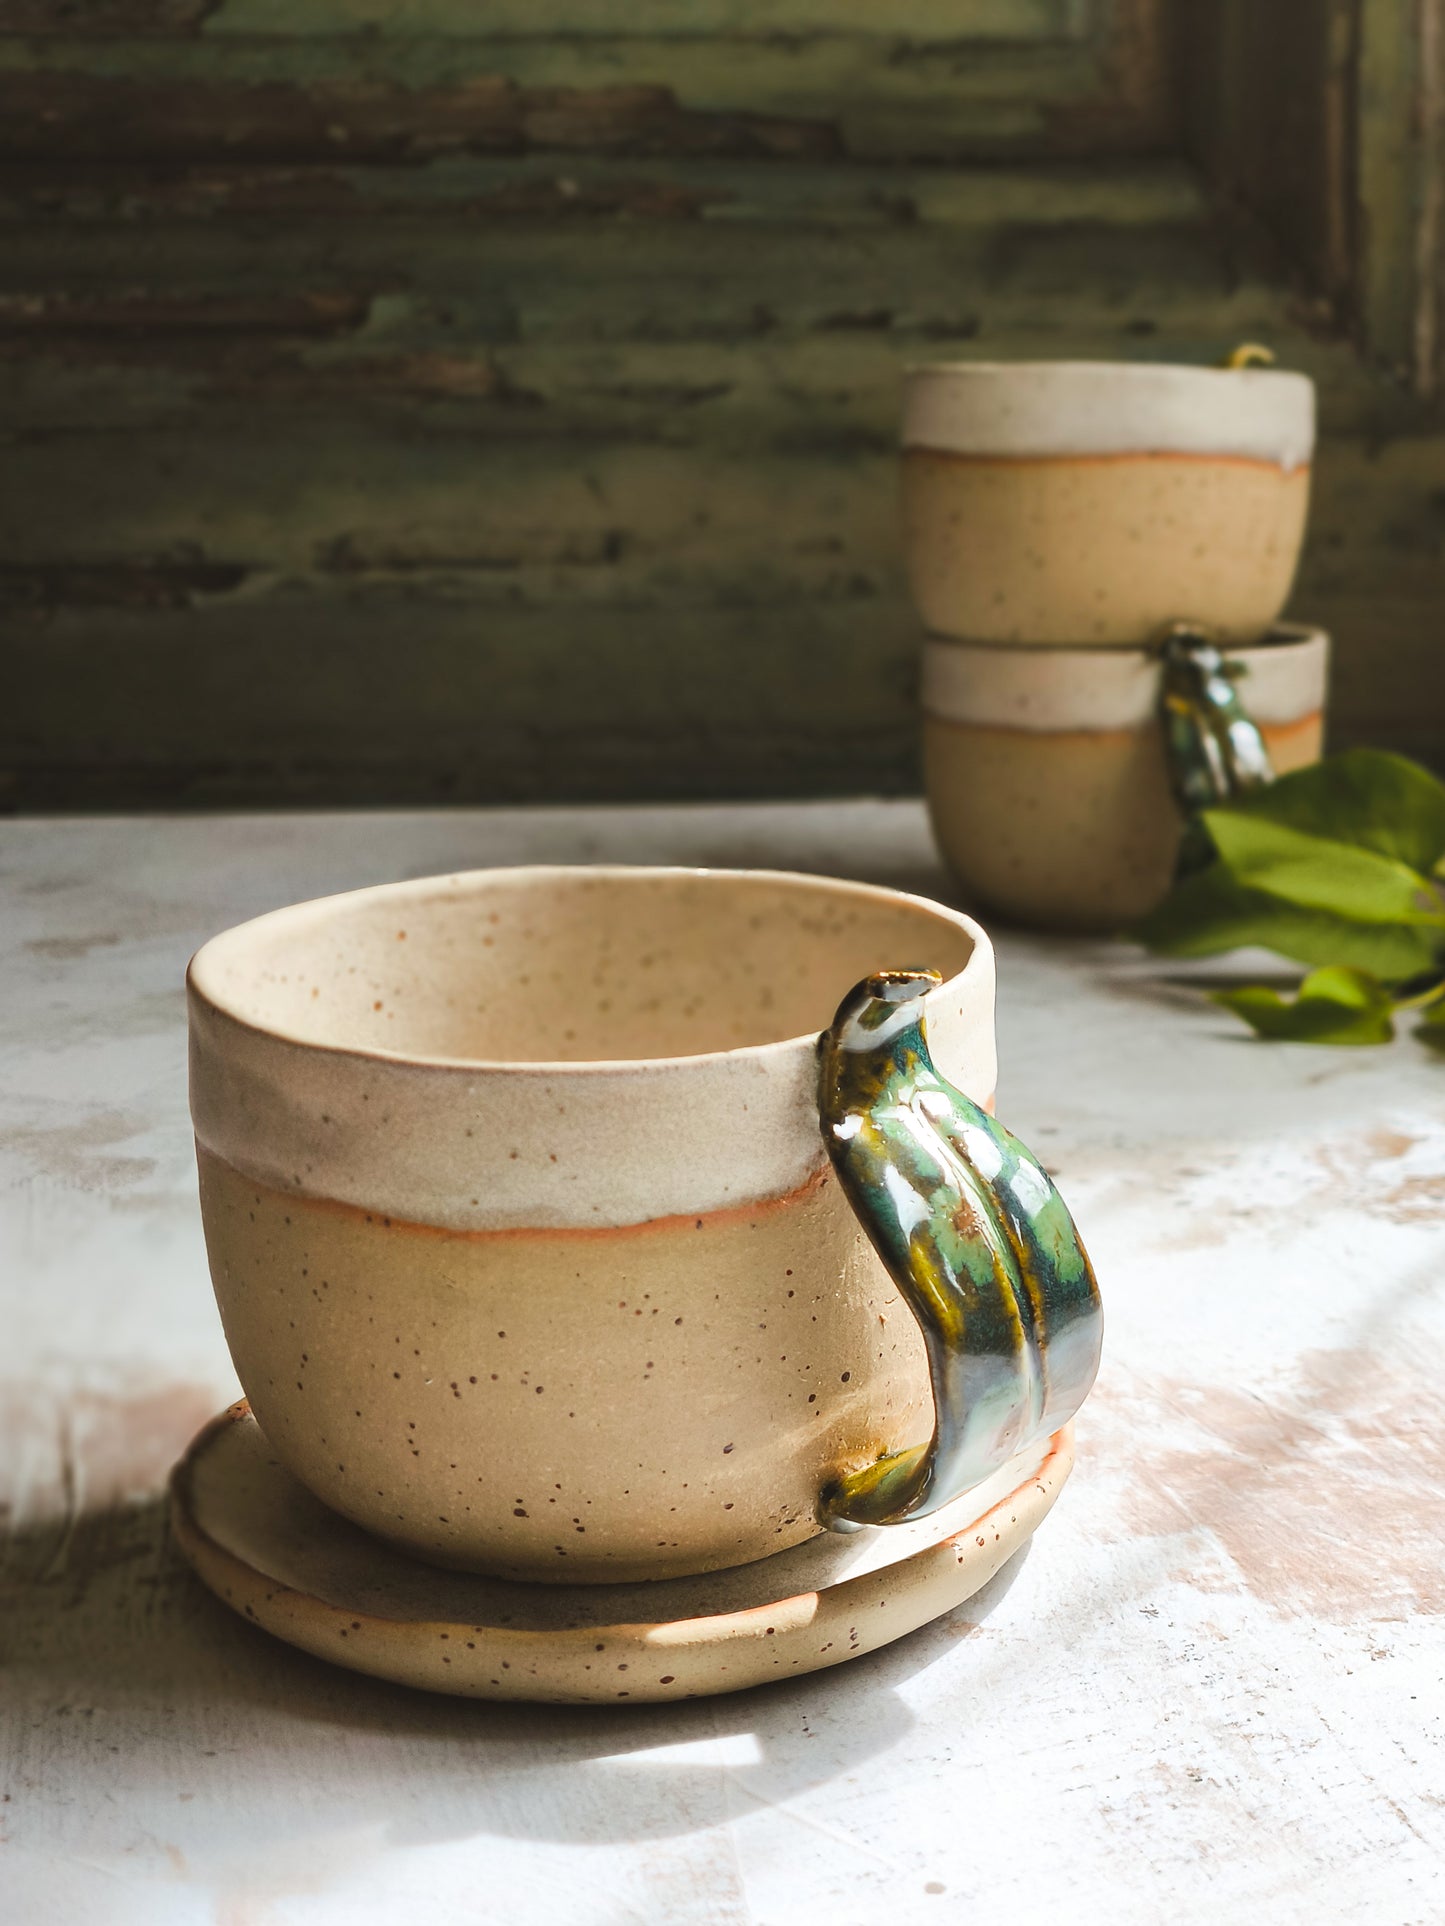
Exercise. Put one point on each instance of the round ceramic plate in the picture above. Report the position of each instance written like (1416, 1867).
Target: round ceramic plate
(278, 1556)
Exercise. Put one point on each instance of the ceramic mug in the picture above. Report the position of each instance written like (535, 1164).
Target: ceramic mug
(535, 1251)
(1093, 503)
(1047, 771)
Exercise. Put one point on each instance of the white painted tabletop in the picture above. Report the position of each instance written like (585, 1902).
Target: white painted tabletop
(1211, 1690)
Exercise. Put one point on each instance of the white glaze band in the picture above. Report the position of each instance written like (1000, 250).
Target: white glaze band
(1055, 690)
(480, 1146)
(1082, 408)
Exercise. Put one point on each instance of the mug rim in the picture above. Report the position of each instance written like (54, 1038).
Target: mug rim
(201, 985)
(1071, 410)
(1065, 690)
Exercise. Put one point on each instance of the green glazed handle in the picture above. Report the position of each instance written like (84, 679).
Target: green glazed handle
(1214, 749)
(978, 1241)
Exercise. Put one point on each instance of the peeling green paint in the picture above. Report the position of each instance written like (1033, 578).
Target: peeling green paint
(564, 362)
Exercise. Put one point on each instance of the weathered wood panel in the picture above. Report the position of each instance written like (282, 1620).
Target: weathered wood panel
(1046, 76)
(1269, 99)
(1326, 119)
(667, 280)
(355, 497)
(1401, 186)
(967, 22)
(314, 688)
(604, 667)
(501, 188)
(448, 406)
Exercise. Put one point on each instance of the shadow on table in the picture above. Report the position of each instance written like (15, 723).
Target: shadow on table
(165, 1714)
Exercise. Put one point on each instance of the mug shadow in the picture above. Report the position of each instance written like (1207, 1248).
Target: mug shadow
(109, 1642)
(1173, 983)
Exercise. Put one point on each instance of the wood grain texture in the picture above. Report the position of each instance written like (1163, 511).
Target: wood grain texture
(393, 399)
(1216, 1673)
(1269, 97)
(1401, 198)
(1327, 123)
(832, 86)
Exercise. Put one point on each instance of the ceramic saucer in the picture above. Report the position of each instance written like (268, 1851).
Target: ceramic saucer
(278, 1556)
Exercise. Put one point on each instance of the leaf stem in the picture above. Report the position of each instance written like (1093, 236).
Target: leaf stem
(1423, 999)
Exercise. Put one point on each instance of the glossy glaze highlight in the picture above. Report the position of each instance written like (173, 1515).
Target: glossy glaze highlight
(977, 1239)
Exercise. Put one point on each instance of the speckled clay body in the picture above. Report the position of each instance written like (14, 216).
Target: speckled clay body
(1060, 503)
(273, 1554)
(1046, 773)
(519, 1216)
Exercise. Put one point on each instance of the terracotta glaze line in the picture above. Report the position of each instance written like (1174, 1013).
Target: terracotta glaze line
(587, 1233)
(816, 1181)
(1093, 460)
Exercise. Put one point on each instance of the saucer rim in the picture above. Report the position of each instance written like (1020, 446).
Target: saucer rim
(677, 1658)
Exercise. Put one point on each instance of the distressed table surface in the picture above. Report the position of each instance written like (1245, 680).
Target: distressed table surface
(1211, 1690)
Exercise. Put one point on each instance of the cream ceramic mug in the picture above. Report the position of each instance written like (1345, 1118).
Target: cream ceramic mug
(1049, 775)
(1092, 503)
(532, 1252)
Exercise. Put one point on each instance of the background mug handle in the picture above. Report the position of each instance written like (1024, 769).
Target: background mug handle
(1213, 747)
(978, 1241)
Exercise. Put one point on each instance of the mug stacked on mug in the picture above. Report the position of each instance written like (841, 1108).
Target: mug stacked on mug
(1060, 520)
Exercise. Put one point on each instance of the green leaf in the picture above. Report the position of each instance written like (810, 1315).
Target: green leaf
(1365, 797)
(1431, 1027)
(1332, 1006)
(1316, 873)
(1210, 912)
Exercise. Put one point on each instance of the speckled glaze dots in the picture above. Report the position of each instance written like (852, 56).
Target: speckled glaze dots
(1047, 777)
(1093, 503)
(521, 1224)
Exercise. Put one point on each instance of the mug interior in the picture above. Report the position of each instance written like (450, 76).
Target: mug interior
(568, 965)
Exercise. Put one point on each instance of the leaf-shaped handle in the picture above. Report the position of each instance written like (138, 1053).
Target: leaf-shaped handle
(1215, 751)
(978, 1241)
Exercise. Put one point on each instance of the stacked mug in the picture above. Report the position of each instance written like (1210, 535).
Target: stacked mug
(1062, 521)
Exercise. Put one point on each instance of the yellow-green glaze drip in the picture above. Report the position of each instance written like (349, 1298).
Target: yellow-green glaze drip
(979, 1242)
